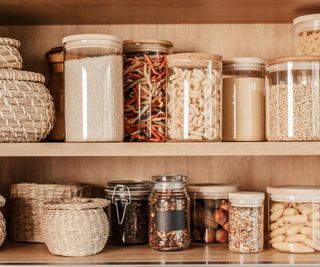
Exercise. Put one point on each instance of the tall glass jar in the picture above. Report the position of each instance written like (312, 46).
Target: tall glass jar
(294, 218)
(145, 76)
(246, 221)
(169, 213)
(93, 88)
(293, 99)
(128, 211)
(194, 97)
(56, 87)
(243, 99)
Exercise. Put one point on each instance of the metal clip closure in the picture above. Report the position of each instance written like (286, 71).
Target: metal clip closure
(118, 189)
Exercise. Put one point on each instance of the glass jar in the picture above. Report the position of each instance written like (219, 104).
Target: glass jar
(93, 88)
(144, 78)
(209, 212)
(294, 218)
(56, 87)
(169, 213)
(128, 211)
(246, 222)
(243, 108)
(194, 94)
(293, 99)
(307, 34)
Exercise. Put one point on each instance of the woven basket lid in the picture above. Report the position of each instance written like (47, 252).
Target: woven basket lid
(11, 42)
(21, 75)
(77, 204)
(2, 201)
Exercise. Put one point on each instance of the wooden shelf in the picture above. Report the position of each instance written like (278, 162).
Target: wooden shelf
(196, 255)
(160, 11)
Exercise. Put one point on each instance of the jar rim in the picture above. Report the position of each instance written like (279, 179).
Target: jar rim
(294, 190)
(306, 22)
(246, 195)
(291, 58)
(194, 56)
(133, 42)
(167, 178)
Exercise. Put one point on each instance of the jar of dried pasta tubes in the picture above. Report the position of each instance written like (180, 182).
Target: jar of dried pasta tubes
(145, 89)
(194, 97)
(169, 214)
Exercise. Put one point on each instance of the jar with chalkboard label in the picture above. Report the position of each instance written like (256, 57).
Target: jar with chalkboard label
(169, 213)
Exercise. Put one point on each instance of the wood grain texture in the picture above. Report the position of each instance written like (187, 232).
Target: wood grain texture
(146, 11)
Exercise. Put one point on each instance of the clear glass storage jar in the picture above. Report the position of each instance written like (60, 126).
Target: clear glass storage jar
(144, 78)
(128, 211)
(293, 99)
(194, 97)
(294, 218)
(246, 219)
(169, 213)
(209, 212)
(307, 34)
(93, 88)
(243, 94)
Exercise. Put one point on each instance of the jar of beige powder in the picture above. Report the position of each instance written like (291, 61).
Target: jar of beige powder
(243, 99)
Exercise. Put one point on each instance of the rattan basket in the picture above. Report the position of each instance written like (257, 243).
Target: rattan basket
(26, 107)
(77, 227)
(2, 222)
(27, 206)
(10, 57)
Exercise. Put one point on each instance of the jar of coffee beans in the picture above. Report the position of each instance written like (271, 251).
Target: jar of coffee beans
(169, 213)
(128, 212)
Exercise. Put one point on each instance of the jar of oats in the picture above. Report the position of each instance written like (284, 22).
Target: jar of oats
(194, 97)
(307, 30)
(246, 222)
(293, 99)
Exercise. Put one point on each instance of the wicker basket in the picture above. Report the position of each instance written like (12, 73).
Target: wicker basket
(2, 222)
(10, 57)
(26, 107)
(76, 227)
(27, 206)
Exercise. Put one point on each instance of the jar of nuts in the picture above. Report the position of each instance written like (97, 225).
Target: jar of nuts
(194, 97)
(169, 218)
(128, 212)
(294, 220)
(246, 222)
(209, 212)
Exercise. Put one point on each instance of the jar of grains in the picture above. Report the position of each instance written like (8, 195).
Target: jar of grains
(194, 93)
(243, 99)
(93, 88)
(293, 99)
(246, 222)
(169, 218)
(294, 219)
(128, 212)
(307, 34)
(209, 212)
(145, 76)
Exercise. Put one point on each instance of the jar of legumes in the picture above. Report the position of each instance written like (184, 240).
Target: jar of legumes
(93, 88)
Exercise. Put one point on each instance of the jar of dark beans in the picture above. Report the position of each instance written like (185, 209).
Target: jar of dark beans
(169, 213)
(209, 212)
(128, 212)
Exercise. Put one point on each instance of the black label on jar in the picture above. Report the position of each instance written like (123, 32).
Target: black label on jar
(171, 220)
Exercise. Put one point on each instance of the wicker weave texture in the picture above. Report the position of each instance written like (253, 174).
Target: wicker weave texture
(10, 57)
(76, 228)
(2, 222)
(27, 207)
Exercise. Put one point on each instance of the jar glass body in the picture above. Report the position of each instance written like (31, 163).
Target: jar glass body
(293, 101)
(145, 90)
(194, 98)
(243, 114)
(93, 90)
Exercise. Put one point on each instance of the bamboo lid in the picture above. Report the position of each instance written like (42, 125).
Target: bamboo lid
(292, 58)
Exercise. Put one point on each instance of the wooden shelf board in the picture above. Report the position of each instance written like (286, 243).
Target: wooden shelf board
(160, 149)
(160, 11)
(24, 253)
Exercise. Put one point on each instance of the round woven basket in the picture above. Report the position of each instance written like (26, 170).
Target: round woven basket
(26, 107)
(10, 57)
(77, 227)
(2, 222)
(27, 206)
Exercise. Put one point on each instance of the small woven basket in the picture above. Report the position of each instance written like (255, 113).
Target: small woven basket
(26, 107)
(2, 222)
(10, 57)
(27, 206)
(77, 227)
